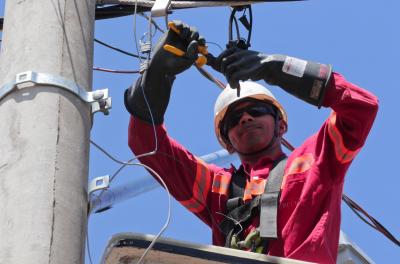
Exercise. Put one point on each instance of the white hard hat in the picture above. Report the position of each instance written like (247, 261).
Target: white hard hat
(248, 89)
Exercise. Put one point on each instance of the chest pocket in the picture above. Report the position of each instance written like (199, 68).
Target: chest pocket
(293, 181)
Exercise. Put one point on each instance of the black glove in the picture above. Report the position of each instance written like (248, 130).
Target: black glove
(304, 79)
(154, 91)
(164, 62)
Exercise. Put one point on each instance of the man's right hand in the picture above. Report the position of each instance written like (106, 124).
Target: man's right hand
(186, 39)
(148, 99)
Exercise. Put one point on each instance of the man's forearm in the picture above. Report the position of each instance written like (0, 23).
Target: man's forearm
(149, 100)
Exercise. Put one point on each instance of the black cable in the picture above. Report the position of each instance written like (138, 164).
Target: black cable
(210, 77)
(115, 71)
(117, 49)
(232, 19)
(251, 25)
(153, 22)
(119, 10)
(215, 44)
(115, 11)
(358, 210)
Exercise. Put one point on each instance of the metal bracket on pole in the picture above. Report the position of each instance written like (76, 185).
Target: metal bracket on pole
(99, 99)
(99, 183)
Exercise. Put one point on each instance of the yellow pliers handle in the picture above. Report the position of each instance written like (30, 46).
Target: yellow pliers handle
(201, 60)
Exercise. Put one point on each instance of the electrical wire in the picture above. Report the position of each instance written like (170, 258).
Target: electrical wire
(210, 77)
(358, 210)
(168, 216)
(215, 44)
(155, 138)
(153, 22)
(166, 224)
(117, 160)
(368, 219)
(114, 71)
(287, 144)
(144, 94)
(118, 49)
(233, 220)
(167, 221)
(134, 31)
(156, 144)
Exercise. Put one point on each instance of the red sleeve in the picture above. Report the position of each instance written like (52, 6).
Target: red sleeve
(341, 137)
(355, 111)
(188, 178)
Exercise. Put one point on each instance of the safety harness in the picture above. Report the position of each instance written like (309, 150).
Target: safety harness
(239, 213)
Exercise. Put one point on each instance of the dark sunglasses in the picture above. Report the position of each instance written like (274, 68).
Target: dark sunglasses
(232, 119)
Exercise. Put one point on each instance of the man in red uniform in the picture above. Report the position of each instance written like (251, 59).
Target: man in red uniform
(303, 221)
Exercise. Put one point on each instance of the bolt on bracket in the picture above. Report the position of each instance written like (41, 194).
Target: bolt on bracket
(100, 100)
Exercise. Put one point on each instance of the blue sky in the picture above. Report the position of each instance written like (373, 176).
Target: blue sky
(359, 38)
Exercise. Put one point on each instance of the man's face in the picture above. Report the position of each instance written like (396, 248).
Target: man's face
(250, 126)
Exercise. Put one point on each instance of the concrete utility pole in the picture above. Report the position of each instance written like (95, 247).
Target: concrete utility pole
(44, 132)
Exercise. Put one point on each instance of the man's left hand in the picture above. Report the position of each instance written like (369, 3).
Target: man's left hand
(241, 65)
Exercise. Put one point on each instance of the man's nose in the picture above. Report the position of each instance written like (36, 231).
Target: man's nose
(246, 118)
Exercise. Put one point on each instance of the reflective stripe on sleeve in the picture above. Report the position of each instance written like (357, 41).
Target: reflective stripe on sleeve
(343, 154)
(201, 187)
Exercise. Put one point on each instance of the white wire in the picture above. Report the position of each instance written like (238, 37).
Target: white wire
(155, 150)
(129, 162)
(162, 182)
(118, 161)
(168, 216)
(142, 88)
(234, 220)
(134, 31)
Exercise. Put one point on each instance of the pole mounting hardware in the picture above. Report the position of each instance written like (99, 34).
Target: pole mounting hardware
(99, 183)
(160, 8)
(100, 100)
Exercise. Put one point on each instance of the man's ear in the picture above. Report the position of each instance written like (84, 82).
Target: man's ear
(229, 148)
(282, 127)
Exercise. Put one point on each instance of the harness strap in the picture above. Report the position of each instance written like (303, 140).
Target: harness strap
(270, 200)
(240, 215)
(238, 212)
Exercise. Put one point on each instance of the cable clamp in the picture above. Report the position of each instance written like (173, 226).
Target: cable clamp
(99, 183)
(100, 100)
(145, 47)
(144, 65)
(160, 8)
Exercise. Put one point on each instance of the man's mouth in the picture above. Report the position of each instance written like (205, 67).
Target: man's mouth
(249, 128)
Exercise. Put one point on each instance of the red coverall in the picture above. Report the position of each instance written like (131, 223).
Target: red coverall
(309, 207)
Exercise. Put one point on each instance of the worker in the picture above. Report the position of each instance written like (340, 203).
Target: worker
(300, 217)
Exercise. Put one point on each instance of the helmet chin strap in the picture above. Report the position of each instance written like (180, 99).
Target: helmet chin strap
(268, 146)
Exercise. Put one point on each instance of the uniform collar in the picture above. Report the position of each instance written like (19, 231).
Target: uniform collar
(262, 167)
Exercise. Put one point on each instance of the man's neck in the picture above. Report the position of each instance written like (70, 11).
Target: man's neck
(273, 153)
